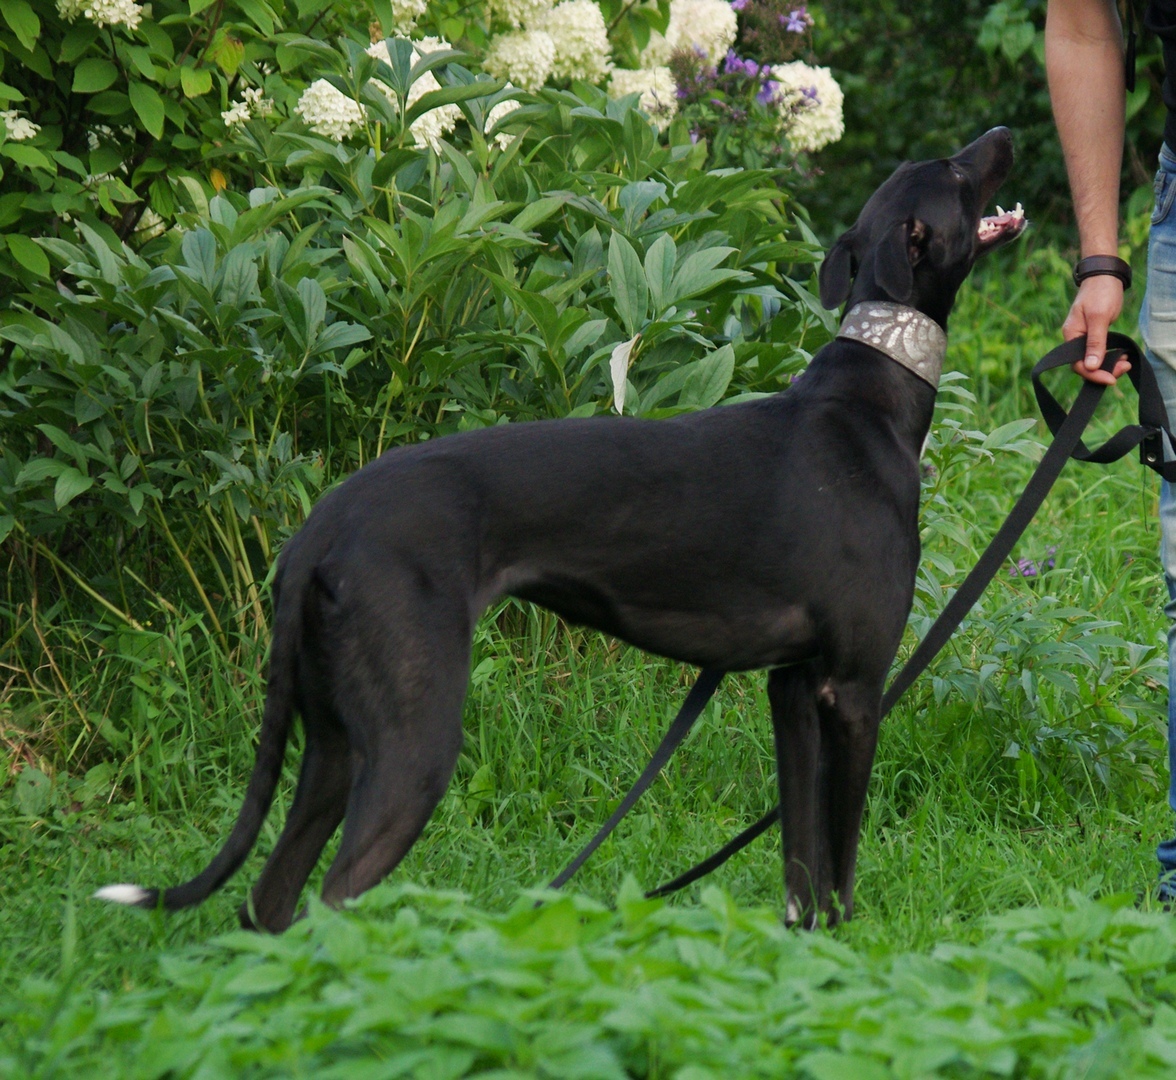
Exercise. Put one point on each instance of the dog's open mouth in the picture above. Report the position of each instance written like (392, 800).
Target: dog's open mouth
(1001, 227)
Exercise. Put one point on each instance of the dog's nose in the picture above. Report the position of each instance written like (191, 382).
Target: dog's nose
(989, 159)
(996, 141)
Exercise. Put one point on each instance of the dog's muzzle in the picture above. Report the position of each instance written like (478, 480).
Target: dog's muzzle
(907, 336)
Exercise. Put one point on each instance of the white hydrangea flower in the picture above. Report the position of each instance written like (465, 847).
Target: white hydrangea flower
(429, 129)
(18, 127)
(520, 12)
(503, 108)
(328, 112)
(657, 88)
(237, 113)
(405, 14)
(103, 12)
(708, 25)
(810, 103)
(524, 58)
(259, 104)
(150, 226)
(252, 103)
(581, 40)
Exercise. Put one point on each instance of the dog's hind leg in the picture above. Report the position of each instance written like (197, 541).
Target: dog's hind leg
(319, 802)
(792, 693)
(401, 704)
(323, 780)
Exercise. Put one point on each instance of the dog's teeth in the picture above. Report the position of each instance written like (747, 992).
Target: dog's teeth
(122, 894)
(999, 210)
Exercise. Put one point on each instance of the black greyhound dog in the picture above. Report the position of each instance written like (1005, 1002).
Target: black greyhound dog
(779, 534)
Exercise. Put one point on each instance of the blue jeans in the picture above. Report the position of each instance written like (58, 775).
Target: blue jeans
(1157, 325)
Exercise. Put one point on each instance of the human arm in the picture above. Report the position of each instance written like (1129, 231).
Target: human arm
(1084, 68)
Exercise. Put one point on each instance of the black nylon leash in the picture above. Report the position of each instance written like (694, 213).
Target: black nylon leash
(700, 693)
(1067, 429)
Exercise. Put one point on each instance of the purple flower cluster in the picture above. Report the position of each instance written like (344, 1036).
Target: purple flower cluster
(733, 65)
(796, 21)
(1031, 568)
(768, 92)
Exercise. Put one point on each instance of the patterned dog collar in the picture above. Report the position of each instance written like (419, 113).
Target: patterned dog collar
(905, 335)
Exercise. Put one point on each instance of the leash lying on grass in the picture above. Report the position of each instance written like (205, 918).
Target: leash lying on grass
(1067, 428)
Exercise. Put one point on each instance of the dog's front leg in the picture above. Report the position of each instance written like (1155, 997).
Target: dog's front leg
(792, 693)
(849, 718)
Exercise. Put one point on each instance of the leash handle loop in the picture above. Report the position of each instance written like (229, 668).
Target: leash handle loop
(1149, 434)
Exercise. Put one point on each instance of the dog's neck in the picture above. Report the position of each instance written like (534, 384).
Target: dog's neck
(904, 334)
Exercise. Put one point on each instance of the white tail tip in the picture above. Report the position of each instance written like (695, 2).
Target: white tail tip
(122, 894)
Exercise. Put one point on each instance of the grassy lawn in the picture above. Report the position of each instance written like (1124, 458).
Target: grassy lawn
(1005, 923)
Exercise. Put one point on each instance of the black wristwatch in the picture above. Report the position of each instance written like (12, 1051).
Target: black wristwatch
(1093, 265)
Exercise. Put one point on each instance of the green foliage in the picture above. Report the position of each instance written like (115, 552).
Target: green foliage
(192, 398)
(423, 984)
(128, 112)
(921, 79)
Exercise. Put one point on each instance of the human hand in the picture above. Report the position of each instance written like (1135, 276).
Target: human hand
(1097, 305)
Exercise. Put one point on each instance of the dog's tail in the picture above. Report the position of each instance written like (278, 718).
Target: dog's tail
(271, 749)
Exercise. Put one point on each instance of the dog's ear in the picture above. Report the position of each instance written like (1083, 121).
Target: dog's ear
(836, 274)
(896, 256)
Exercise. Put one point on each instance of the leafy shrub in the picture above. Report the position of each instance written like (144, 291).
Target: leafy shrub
(113, 117)
(125, 107)
(423, 983)
(191, 398)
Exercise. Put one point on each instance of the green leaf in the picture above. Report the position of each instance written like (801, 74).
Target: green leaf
(339, 335)
(39, 469)
(630, 292)
(148, 106)
(829, 1065)
(70, 484)
(7, 524)
(391, 163)
(383, 12)
(23, 20)
(93, 74)
(227, 52)
(60, 439)
(709, 380)
(314, 304)
(195, 81)
(1006, 433)
(29, 254)
(659, 270)
(449, 95)
(259, 14)
(537, 212)
(260, 979)
(31, 792)
(696, 273)
(141, 59)
(29, 156)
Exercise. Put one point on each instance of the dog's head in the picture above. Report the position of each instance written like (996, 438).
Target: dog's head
(919, 234)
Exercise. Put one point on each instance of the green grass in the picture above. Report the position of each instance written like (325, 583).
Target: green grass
(1019, 779)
